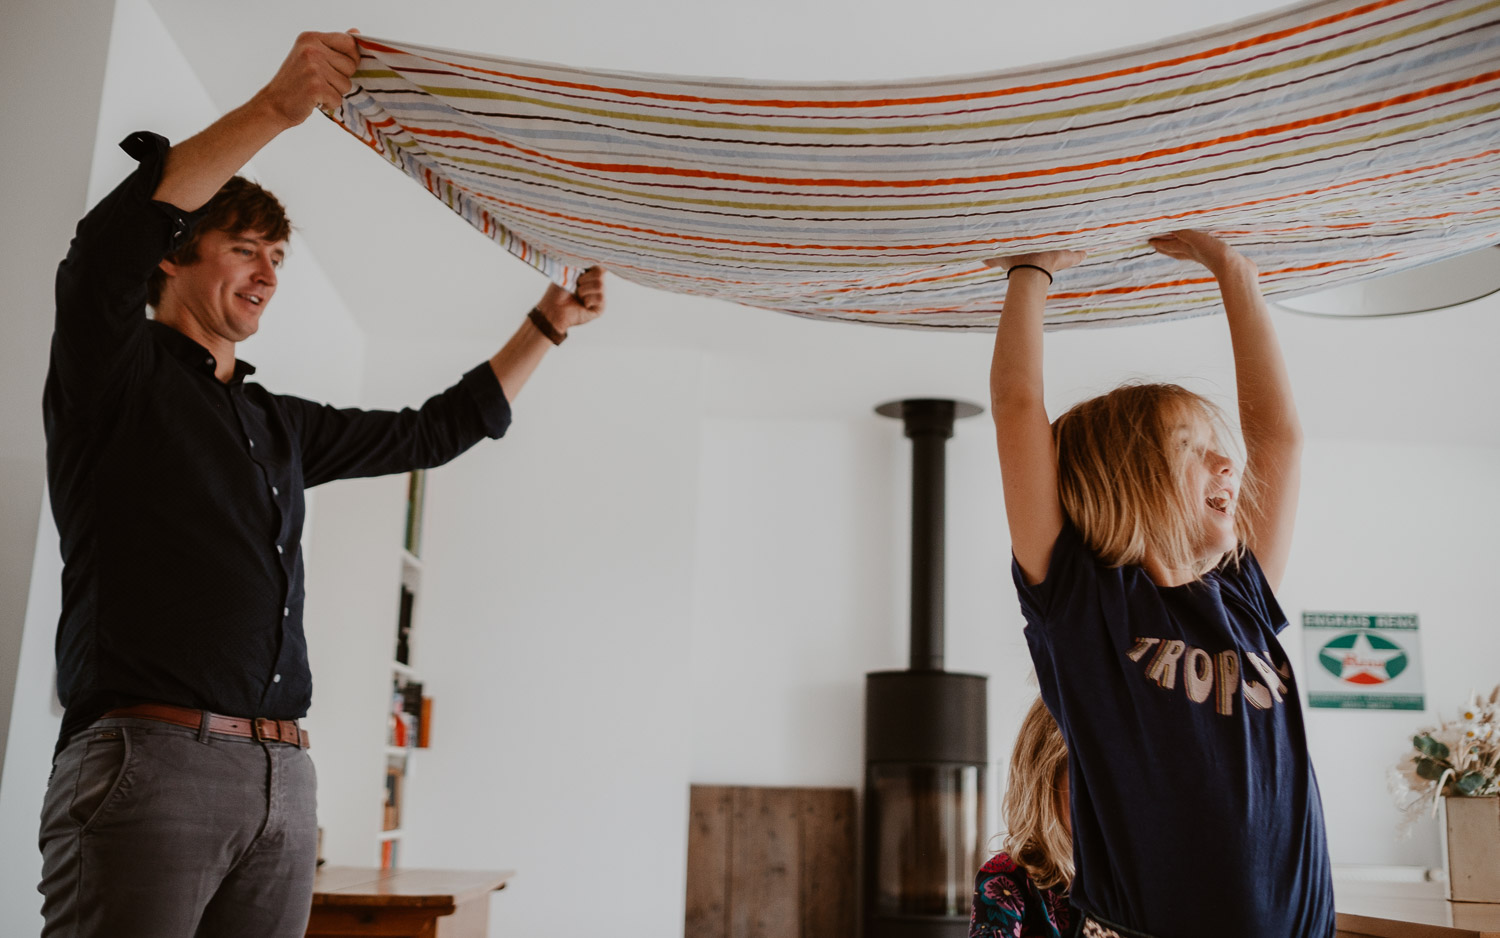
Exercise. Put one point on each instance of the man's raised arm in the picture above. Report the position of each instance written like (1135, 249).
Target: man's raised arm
(316, 73)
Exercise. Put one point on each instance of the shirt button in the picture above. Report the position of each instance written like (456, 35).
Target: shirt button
(279, 550)
(209, 362)
(276, 679)
(252, 444)
(286, 610)
(275, 491)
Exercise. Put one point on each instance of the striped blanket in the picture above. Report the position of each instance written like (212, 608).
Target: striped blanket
(1333, 141)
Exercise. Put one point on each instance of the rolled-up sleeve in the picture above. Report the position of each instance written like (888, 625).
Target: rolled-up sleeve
(101, 284)
(489, 397)
(346, 443)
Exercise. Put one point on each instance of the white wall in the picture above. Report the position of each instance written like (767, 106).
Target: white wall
(54, 109)
(44, 192)
(553, 629)
(309, 345)
(793, 597)
(1391, 528)
(353, 568)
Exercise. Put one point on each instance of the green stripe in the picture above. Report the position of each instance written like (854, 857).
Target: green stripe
(1366, 701)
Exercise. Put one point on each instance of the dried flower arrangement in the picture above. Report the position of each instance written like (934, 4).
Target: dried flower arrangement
(1460, 758)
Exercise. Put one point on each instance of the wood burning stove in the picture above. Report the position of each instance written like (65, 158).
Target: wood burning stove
(925, 731)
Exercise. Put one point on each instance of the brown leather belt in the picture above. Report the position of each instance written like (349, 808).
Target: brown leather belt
(262, 729)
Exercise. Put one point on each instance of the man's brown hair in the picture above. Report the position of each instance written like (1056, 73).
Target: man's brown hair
(240, 206)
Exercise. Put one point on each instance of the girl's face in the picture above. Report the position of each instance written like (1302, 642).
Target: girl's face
(1210, 484)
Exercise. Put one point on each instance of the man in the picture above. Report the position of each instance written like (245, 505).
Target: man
(182, 800)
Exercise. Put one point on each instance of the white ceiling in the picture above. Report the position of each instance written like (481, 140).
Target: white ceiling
(408, 268)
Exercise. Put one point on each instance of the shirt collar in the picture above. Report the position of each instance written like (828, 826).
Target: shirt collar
(193, 355)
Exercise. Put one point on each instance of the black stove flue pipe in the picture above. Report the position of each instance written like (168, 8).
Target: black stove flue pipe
(929, 425)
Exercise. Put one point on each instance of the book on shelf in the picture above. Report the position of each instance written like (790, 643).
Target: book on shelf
(416, 490)
(411, 698)
(403, 730)
(388, 854)
(406, 713)
(403, 626)
(424, 724)
(394, 778)
(411, 715)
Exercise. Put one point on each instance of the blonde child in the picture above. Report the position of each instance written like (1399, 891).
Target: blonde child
(1022, 892)
(1146, 576)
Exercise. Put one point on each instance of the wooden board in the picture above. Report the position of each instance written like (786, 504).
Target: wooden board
(829, 816)
(710, 810)
(770, 862)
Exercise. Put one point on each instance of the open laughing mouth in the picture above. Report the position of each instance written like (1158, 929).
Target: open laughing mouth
(1222, 502)
(251, 299)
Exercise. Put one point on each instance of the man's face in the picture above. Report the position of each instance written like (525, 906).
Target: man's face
(226, 289)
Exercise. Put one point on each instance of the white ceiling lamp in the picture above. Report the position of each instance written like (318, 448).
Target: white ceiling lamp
(1439, 285)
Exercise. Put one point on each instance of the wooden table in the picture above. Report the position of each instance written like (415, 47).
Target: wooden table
(352, 900)
(1372, 909)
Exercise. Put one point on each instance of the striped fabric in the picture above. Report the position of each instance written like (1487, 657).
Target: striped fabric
(1332, 142)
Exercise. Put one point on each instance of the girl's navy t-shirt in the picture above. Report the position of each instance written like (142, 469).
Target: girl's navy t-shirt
(1195, 808)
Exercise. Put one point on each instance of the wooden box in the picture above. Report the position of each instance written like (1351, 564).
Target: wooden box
(1471, 848)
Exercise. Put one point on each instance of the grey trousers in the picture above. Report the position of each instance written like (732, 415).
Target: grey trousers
(151, 830)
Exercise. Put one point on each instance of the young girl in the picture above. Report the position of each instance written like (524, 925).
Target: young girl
(1146, 578)
(1022, 892)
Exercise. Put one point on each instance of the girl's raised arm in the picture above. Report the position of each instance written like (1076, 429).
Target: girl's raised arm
(1268, 414)
(1023, 435)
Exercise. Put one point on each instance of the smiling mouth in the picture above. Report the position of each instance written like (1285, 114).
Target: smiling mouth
(252, 300)
(1221, 502)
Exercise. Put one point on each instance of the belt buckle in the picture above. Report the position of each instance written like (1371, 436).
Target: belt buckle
(267, 730)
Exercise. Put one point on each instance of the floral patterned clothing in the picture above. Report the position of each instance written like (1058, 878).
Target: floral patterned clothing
(1007, 904)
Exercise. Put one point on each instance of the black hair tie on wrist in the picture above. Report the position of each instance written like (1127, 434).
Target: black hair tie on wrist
(1033, 267)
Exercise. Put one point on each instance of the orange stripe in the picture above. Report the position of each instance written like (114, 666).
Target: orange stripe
(639, 169)
(893, 102)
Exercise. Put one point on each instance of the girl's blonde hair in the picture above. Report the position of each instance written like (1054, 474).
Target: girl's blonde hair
(1121, 474)
(1037, 833)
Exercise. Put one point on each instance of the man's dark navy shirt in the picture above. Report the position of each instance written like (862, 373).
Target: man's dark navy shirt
(179, 498)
